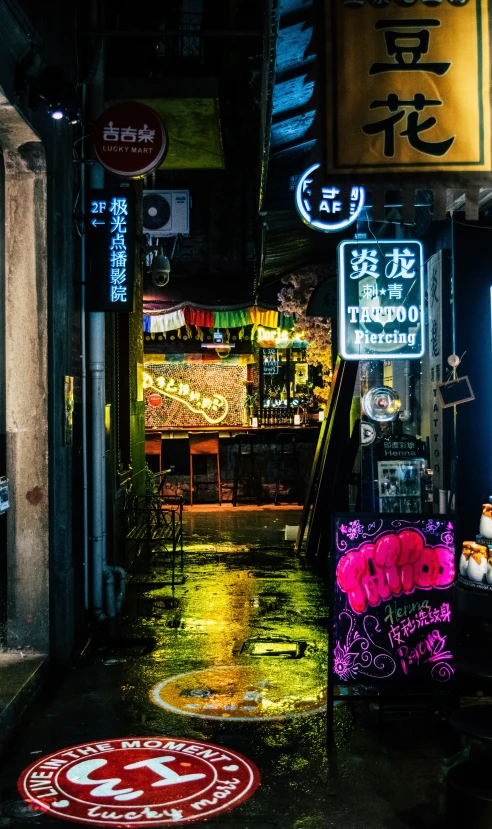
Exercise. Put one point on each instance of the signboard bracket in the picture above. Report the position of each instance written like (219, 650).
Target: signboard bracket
(325, 480)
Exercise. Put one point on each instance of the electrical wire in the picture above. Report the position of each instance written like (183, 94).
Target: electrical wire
(467, 224)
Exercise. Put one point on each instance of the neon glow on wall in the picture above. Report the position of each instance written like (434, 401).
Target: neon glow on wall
(397, 563)
(213, 408)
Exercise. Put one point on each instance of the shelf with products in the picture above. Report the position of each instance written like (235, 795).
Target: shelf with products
(286, 383)
(400, 485)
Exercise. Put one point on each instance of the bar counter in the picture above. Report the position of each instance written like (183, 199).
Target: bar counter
(227, 431)
(282, 461)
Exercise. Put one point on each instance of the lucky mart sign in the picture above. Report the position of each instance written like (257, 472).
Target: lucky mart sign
(129, 139)
(139, 781)
(381, 296)
(408, 85)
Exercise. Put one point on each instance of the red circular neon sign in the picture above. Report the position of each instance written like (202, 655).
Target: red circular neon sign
(129, 139)
(139, 781)
(154, 400)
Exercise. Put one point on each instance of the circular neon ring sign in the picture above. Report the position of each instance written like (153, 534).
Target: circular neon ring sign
(316, 224)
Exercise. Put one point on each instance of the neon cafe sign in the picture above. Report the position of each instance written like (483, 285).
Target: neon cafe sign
(325, 207)
(276, 337)
(212, 407)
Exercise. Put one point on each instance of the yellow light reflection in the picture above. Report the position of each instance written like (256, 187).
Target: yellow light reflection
(249, 677)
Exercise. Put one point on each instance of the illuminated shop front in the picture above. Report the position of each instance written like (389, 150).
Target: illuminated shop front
(230, 374)
(401, 466)
(185, 394)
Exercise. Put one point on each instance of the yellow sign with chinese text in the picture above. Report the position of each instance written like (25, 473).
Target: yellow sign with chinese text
(410, 86)
(213, 408)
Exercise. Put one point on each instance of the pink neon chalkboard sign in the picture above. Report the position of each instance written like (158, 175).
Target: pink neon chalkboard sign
(392, 580)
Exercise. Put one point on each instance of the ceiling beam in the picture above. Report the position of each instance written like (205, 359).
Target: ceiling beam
(168, 33)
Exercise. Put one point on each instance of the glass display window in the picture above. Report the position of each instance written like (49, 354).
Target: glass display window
(286, 378)
(400, 485)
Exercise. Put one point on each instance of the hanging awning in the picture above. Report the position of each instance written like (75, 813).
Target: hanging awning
(156, 320)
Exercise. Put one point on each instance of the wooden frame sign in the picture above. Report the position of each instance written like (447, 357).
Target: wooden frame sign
(392, 585)
(408, 86)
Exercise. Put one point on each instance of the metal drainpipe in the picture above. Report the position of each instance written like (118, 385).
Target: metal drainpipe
(103, 576)
(406, 414)
(83, 348)
(103, 584)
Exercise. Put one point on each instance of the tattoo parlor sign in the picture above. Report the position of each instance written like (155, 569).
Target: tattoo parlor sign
(139, 782)
(408, 85)
(381, 295)
(129, 139)
(392, 589)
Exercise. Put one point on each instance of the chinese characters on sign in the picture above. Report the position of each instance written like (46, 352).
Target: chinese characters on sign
(129, 139)
(110, 234)
(418, 83)
(327, 208)
(212, 407)
(392, 612)
(381, 298)
(139, 781)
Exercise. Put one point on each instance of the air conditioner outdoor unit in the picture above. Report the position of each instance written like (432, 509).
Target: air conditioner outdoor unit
(166, 212)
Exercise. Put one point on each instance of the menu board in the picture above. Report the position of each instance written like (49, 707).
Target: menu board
(392, 583)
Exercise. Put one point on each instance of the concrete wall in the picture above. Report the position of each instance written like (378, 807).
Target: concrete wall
(124, 364)
(39, 343)
(26, 381)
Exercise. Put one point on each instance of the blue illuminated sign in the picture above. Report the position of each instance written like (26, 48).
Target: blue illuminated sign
(324, 206)
(381, 299)
(110, 234)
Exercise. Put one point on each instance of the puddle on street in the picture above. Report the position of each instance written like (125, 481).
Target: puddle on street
(229, 644)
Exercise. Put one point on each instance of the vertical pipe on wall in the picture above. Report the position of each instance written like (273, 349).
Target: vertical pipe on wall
(454, 456)
(96, 370)
(83, 348)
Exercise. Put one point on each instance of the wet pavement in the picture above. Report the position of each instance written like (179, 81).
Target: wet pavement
(237, 657)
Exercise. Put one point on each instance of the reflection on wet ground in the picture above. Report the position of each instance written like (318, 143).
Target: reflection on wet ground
(237, 657)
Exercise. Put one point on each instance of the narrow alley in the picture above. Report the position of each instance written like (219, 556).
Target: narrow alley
(237, 657)
(245, 450)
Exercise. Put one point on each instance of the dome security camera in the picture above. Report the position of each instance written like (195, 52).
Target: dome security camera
(160, 270)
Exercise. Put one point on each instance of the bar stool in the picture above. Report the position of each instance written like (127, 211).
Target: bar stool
(286, 451)
(153, 447)
(204, 443)
(245, 449)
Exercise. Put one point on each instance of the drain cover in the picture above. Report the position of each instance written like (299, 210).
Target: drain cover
(260, 574)
(285, 648)
(21, 810)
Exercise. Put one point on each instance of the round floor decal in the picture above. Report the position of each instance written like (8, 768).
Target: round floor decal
(139, 781)
(241, 692)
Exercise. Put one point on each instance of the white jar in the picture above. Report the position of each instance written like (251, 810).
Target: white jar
(485, 526)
